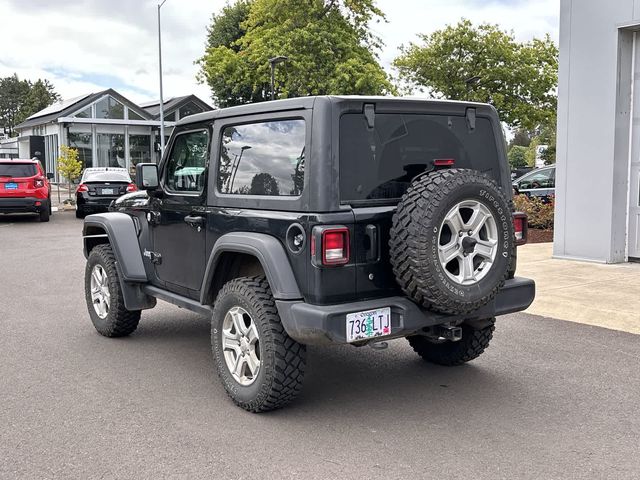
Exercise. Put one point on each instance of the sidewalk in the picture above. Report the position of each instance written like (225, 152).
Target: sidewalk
(592, 293)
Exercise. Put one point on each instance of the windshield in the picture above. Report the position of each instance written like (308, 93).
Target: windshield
(18, 170)
(379, 163)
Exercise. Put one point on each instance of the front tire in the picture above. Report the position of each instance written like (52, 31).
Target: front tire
(473, 343)
(260, 366)
(104, 295)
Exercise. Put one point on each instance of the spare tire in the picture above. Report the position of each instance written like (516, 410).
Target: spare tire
(452, 240)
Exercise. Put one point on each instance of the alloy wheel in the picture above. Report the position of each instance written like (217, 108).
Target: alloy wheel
(241, 346)
(468, 242)
(100, 295)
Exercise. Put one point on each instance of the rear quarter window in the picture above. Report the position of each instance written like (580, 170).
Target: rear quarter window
(17, 170)
(263, 158)
(380, 163)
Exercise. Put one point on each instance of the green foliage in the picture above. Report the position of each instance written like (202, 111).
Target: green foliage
(20, 99)
(485, 64)
(517, 156)
(540, 213)
(520, 138)
(69, 164)
(330, 48)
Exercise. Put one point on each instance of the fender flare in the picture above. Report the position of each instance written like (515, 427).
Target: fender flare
(269, 252)
(123, 237)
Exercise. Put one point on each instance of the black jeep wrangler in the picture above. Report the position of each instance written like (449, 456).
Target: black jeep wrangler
(317, 220)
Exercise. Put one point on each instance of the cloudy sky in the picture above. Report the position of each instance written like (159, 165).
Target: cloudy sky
(84, 46)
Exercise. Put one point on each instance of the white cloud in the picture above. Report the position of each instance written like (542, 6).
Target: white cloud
(84, 46)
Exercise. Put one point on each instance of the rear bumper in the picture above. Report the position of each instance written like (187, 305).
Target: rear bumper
(93, 204)
(323, 324)
(23, 204)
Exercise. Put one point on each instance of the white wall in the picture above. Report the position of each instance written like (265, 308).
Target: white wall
(592, 158)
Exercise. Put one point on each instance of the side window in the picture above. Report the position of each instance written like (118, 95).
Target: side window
(265, 158)
(540, 179)
(185, 170)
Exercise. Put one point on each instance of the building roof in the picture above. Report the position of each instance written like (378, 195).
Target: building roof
(173, 104)
(66, 107)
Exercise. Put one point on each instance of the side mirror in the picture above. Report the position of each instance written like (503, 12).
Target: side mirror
(147, 176)
(50, 176)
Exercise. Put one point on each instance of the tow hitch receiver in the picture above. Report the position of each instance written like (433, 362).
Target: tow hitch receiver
(447, 332)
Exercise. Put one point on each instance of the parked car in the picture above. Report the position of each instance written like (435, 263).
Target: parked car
(539, 183)
(99, 186)
(25, 188)
(317, 221)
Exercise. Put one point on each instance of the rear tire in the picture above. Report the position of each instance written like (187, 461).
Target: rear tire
(104, 295)
(260, 366)
(45, 213)
(473, 343)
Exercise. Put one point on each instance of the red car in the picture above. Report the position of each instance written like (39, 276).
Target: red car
(24, 188)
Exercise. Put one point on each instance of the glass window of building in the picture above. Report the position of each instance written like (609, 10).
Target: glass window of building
(250, 165)
(139, 151)
(190, 109)
(134, 116)
(86, 113)
(83, 143)
(110, 150)
(171, 117)
(109, 107)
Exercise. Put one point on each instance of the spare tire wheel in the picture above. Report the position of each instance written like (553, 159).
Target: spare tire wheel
(452, 240)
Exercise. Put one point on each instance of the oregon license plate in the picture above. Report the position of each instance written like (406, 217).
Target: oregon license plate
(11, 186)
(368, 324)
(108, 191)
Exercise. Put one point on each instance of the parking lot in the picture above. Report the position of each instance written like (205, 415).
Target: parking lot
(549, 399)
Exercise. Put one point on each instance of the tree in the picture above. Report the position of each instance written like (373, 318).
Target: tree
(19, 99)
(328, 42)
(517, 156)
(521, 138)
(486, 64)
(13, 92)
(69, 165)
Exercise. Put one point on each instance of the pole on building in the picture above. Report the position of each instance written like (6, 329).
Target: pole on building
(160, 73)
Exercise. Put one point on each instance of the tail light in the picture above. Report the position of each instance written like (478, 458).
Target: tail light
(82, 188)
(520, 226)
(132, 188)
(38, 183)
(331, 245)
(444, 162)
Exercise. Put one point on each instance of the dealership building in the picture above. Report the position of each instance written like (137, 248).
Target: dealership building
(598, 147)
(107, 129)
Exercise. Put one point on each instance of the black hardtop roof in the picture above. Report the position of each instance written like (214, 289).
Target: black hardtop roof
(300, 103)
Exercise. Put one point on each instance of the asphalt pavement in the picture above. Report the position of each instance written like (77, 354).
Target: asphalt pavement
(549, 399)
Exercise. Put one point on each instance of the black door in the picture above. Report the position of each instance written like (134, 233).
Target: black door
(180, 231)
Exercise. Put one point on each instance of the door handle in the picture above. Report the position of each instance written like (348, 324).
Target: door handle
(194, 221)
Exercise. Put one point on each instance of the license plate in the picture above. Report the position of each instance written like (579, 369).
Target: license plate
(11, 186)
(368, 324)
(108, 191)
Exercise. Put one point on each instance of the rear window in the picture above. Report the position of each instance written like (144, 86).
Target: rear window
(89, 177)
(379, 163)
(17, 170)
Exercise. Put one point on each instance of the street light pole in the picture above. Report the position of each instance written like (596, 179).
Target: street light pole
(273, 62)
(160, 72)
